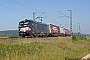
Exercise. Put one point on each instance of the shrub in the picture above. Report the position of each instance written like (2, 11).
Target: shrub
(74, 37)
(78, 38)
(82, 38)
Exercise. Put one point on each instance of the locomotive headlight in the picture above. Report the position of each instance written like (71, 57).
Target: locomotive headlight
(29, 28)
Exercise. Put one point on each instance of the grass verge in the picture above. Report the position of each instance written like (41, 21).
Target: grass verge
(57, 48)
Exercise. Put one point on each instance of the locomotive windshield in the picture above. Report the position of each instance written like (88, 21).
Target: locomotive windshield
(24, 24)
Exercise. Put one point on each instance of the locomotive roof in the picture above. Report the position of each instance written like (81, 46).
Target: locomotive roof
(31, 20)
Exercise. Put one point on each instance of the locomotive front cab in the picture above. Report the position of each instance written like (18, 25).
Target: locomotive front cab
(24, 28)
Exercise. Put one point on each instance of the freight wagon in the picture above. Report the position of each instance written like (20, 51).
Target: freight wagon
(64, 32)
(54, 30)
(37, 29)
(67, 32)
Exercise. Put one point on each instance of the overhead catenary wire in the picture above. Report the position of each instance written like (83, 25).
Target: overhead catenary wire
(63, 14)
(14, 9)
(42, 13)
(36, 9)
(30, 7)
(42, 6)
(45, 7)
(24, 5)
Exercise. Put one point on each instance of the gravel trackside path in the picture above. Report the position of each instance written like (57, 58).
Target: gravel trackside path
(87, 57)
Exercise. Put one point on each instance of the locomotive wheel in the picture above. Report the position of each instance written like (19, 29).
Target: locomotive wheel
(23, 36)
(31, 36)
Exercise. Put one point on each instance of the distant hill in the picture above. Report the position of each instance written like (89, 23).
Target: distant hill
(82, 34)
(16, 33)
(9, 32)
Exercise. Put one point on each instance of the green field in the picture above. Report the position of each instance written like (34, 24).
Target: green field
(55, 48)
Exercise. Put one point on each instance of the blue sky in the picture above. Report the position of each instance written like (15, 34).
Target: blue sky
(13, 11)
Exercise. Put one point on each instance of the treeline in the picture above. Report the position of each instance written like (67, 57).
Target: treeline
(9, 33)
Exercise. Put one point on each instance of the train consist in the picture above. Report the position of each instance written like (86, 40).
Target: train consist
(38, 29)
(64, 32)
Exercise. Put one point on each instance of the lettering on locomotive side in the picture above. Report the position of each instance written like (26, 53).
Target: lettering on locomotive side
(55, 29)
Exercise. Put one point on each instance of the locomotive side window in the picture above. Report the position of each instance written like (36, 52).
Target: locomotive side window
(21, 24)
(24, 24)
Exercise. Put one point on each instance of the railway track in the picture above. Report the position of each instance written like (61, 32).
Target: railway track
(13, 40)
(37, 38)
